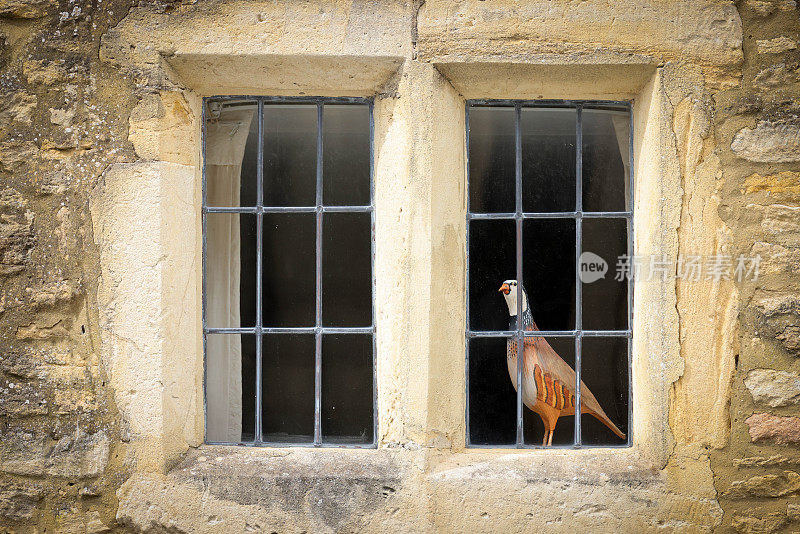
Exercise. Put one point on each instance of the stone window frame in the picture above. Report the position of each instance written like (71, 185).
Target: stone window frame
(152, 347)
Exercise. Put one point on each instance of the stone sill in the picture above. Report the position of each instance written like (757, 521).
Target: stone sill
(588, 465)
(238, 489)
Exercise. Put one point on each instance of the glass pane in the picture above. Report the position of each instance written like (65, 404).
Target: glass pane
(492, 398)
(289, 274)
(606, 154)
(492, 259)
(231, 157)
(558, 388)
(549, 271)
(288, 388)
(347, 269)
(347, 396)
(290, 154)
(605, 299)
(230, 270)
(230, 387)
(345, 155)
(604, 371)
(548, 159)
(491, 159)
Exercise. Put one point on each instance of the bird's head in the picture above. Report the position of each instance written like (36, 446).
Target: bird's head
(510, 290)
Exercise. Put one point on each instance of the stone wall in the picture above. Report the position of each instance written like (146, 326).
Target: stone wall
(756, 127)
(100, 422)
(63, 121)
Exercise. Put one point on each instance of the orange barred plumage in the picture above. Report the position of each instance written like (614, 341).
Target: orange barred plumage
(551, 391)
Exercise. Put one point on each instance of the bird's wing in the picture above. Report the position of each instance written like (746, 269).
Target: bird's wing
(550, 388)
(555, 380)
(562, 380)
(538, 350)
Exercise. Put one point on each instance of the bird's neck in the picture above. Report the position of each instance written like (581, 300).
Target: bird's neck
(527, 321)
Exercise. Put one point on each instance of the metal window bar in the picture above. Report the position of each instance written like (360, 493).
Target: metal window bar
(578, 251)
(578, 215)
(518, 223)
(319, 209)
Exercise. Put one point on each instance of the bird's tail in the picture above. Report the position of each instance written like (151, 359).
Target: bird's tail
(603, 418)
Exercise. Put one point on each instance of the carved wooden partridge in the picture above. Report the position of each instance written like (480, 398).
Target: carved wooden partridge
(548, 382)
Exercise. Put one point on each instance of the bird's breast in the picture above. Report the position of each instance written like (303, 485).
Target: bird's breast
(529, 390)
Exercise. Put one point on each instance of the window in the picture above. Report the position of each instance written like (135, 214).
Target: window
(287, 273)
(550, 207)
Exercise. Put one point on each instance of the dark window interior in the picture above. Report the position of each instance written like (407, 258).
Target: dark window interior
(548, 158)
(347, 408)
(289, 272)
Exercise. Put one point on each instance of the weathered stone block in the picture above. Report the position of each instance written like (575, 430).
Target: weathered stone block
(764, 8)
(782, 186)
(777, 76)
(775, 460)
(53, 294)
(35, 331)
(16, 232)
(786, 483)
(162, 128)
(776, 45)
(782, 223)
(766, 523)
(773, 388)
(55, 183)
(706, 348)
(94, 525)
(763, 524)
(62, 117)
(790, 337)
(776, 260)
(776, 315)
(76, 456)
(340, 493)
(781, 430)
(15, 363)
(18, 399)
(46, 71)
(777, 304)
(23, 453)
(26, 9)
(709, 33)
(83, 455)
(768, 142)
(17, 107)
(19, 501)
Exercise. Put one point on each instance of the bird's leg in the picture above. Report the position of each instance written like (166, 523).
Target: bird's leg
(549, 417)
(552, 429)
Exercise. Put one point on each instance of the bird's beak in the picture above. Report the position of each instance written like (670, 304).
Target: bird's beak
(504, 289)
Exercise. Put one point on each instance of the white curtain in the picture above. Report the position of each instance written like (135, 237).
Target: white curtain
(225, 144)
(622, 129)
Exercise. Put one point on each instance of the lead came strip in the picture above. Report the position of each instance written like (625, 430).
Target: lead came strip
(318, 301)
(578, 284)
(518, 224)
(259, 280)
